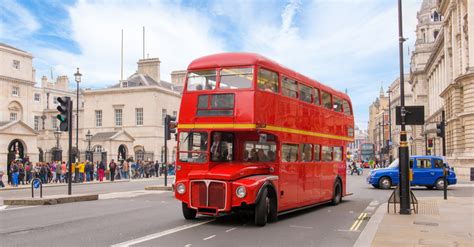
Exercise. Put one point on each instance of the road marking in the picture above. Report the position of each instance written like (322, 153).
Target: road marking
(209, 237)
(188, 245)
(370, 208)
(374, 203)
(231, 229)
(9, 209)
(358, 222)
(3, 207)
(304, 227)
(127, 194)
(160, 234)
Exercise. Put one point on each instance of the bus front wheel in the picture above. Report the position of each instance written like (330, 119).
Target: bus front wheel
(262, 208)
(337, 194)
(188, 212)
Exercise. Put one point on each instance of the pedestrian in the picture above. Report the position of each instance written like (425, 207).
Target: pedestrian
(58, 172)
(1, 178)
(81, 172)
(87, 171)
(91, 171)
(15, 172)
(63, 172)
(157, 165)
(125, 170)
(21, 174)
(101, 170)
(112, 168)
(28, 169)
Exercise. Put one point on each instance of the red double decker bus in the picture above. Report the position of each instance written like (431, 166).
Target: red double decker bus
(254, 135)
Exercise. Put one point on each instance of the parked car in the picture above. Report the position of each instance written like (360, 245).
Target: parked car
(427, 171)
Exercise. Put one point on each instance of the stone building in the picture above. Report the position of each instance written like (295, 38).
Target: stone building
(123, 121)
(448, 76)
(127, 119)
(377, 127)
(394, 98)
(427, 30)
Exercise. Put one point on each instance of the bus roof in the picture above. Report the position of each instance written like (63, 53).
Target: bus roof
(230, 59)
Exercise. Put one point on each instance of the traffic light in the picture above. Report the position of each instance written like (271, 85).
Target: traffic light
(430, 143)
(440, 129)
(170, 126)
(64, 108)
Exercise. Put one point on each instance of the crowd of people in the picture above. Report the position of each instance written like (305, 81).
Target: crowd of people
(22, 171)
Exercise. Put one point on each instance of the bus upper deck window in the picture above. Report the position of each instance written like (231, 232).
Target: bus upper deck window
(267, 80)
(235, 78)
(201, 80)
(326, 100)
(337, 104)
(289, 87)
(347, 108)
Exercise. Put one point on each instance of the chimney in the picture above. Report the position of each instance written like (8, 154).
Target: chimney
(150, 67)
(44, 81)
(177, 77)
(62, 83)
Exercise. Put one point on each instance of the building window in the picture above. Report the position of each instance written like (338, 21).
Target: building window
(13, 116)
(139, 116)
(118, 117)
(163, 115)
(16, 64)
(37, 119)
(37, 97)
(54, 122)
(98, 118)
(15, 91)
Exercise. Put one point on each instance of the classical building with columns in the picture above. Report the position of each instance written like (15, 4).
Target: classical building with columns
(119, 122)
(443, 70)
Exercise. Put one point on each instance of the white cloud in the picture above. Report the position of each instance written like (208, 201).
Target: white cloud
(15, 20)
(346, 44)
(173, 34)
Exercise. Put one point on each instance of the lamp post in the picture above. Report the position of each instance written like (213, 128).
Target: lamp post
(89, 138)
(389, 125)
(77, 77)
(57, 134)
(411, 145)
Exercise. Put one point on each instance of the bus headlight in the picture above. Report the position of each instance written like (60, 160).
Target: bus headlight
(241, 192)
(181, 188)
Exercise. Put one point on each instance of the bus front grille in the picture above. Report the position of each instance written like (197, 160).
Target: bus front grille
(206, 193)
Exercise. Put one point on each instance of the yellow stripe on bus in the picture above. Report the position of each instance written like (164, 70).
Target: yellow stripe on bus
(268, 127)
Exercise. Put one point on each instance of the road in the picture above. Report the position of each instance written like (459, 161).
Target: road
(125, 214)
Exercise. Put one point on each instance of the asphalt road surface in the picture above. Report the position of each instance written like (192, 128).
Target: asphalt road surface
(126, 215)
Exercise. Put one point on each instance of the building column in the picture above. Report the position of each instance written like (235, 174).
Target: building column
(468, 122)
(470, 31)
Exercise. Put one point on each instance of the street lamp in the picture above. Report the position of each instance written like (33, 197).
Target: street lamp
(89, 138)
(389, 125)
(77, 77)
(57, 134)
(411, 145)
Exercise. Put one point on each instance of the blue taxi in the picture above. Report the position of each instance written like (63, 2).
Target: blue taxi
(427, 171)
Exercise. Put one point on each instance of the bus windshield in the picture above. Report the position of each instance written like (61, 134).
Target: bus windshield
(193, 147)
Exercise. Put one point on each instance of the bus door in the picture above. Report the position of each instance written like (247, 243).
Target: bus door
(289, 175)
(306, 175)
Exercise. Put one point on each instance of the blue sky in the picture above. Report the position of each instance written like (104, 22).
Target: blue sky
(347, 44)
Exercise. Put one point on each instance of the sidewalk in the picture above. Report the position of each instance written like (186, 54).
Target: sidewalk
(28, 186)
(438, 223)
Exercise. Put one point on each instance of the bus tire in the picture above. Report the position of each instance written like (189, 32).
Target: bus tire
(337, 193)
(188, 213)
(273, 213)
(262, 209)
